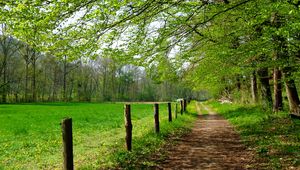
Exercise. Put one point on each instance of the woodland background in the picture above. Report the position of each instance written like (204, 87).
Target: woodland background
(68, 50)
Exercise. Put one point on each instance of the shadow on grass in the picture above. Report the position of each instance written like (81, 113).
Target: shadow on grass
(274, 136)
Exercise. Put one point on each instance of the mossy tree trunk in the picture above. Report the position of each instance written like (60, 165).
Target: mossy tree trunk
(266, 95)
(277, 106)
(291, 92)
(254, 91)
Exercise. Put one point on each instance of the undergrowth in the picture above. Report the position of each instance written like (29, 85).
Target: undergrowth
(274, 136)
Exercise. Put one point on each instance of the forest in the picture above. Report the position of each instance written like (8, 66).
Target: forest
(29, 76)
(243, 50)
(81, 58)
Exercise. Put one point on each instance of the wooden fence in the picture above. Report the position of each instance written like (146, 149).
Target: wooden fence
(67, 135)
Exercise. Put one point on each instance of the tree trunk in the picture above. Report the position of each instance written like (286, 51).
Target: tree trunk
(71, 90)
(53, 95)
(293, 97)
(27, 62)
(65, 79)
(266, 95)
(4, 88)
(16, 97)
(104, 85)
(277, 90)
(291, 92)
(279, 53)
(5, 49)
(44, 91)
(238, 82)
(34, 77)
(254, 88)
(26, 81)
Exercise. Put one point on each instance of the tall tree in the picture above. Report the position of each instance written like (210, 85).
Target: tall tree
(8, 47)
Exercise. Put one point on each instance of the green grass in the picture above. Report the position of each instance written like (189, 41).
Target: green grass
(274, 136)
(30, 134)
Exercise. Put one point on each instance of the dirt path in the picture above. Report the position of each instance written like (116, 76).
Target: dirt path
(212, 144)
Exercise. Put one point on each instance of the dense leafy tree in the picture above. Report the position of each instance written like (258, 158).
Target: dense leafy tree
(219, 45)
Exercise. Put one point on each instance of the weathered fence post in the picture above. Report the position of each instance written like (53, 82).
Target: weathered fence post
(128, 126)
(181, 107)
(176, 110)
(156, 118)
(184, 105)
(170, 112)
(66, 126)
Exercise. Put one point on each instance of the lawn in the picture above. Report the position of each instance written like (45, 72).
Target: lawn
(31, 134)
(274, 136)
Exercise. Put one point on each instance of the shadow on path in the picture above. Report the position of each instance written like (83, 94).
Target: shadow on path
(212, 144)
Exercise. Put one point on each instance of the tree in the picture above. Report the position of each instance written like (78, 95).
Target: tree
(204, 43)
(8, 48)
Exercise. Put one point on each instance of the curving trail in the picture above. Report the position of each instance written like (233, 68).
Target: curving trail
(212, 144)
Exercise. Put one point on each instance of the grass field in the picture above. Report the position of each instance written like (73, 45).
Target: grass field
(274, 136)
(30, 134)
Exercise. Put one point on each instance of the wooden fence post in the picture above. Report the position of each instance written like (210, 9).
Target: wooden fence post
(184, 105)
(128, 126)
(170, 112)
(176, 110)
(181, 107)
(66, 126)
(156, 118)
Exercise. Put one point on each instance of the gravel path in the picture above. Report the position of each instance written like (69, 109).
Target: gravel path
(212, 144)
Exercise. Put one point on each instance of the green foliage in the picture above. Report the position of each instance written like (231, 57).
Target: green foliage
(275, 137)
(198, 41)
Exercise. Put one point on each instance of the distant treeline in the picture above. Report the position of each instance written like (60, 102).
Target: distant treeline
(28, 76)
